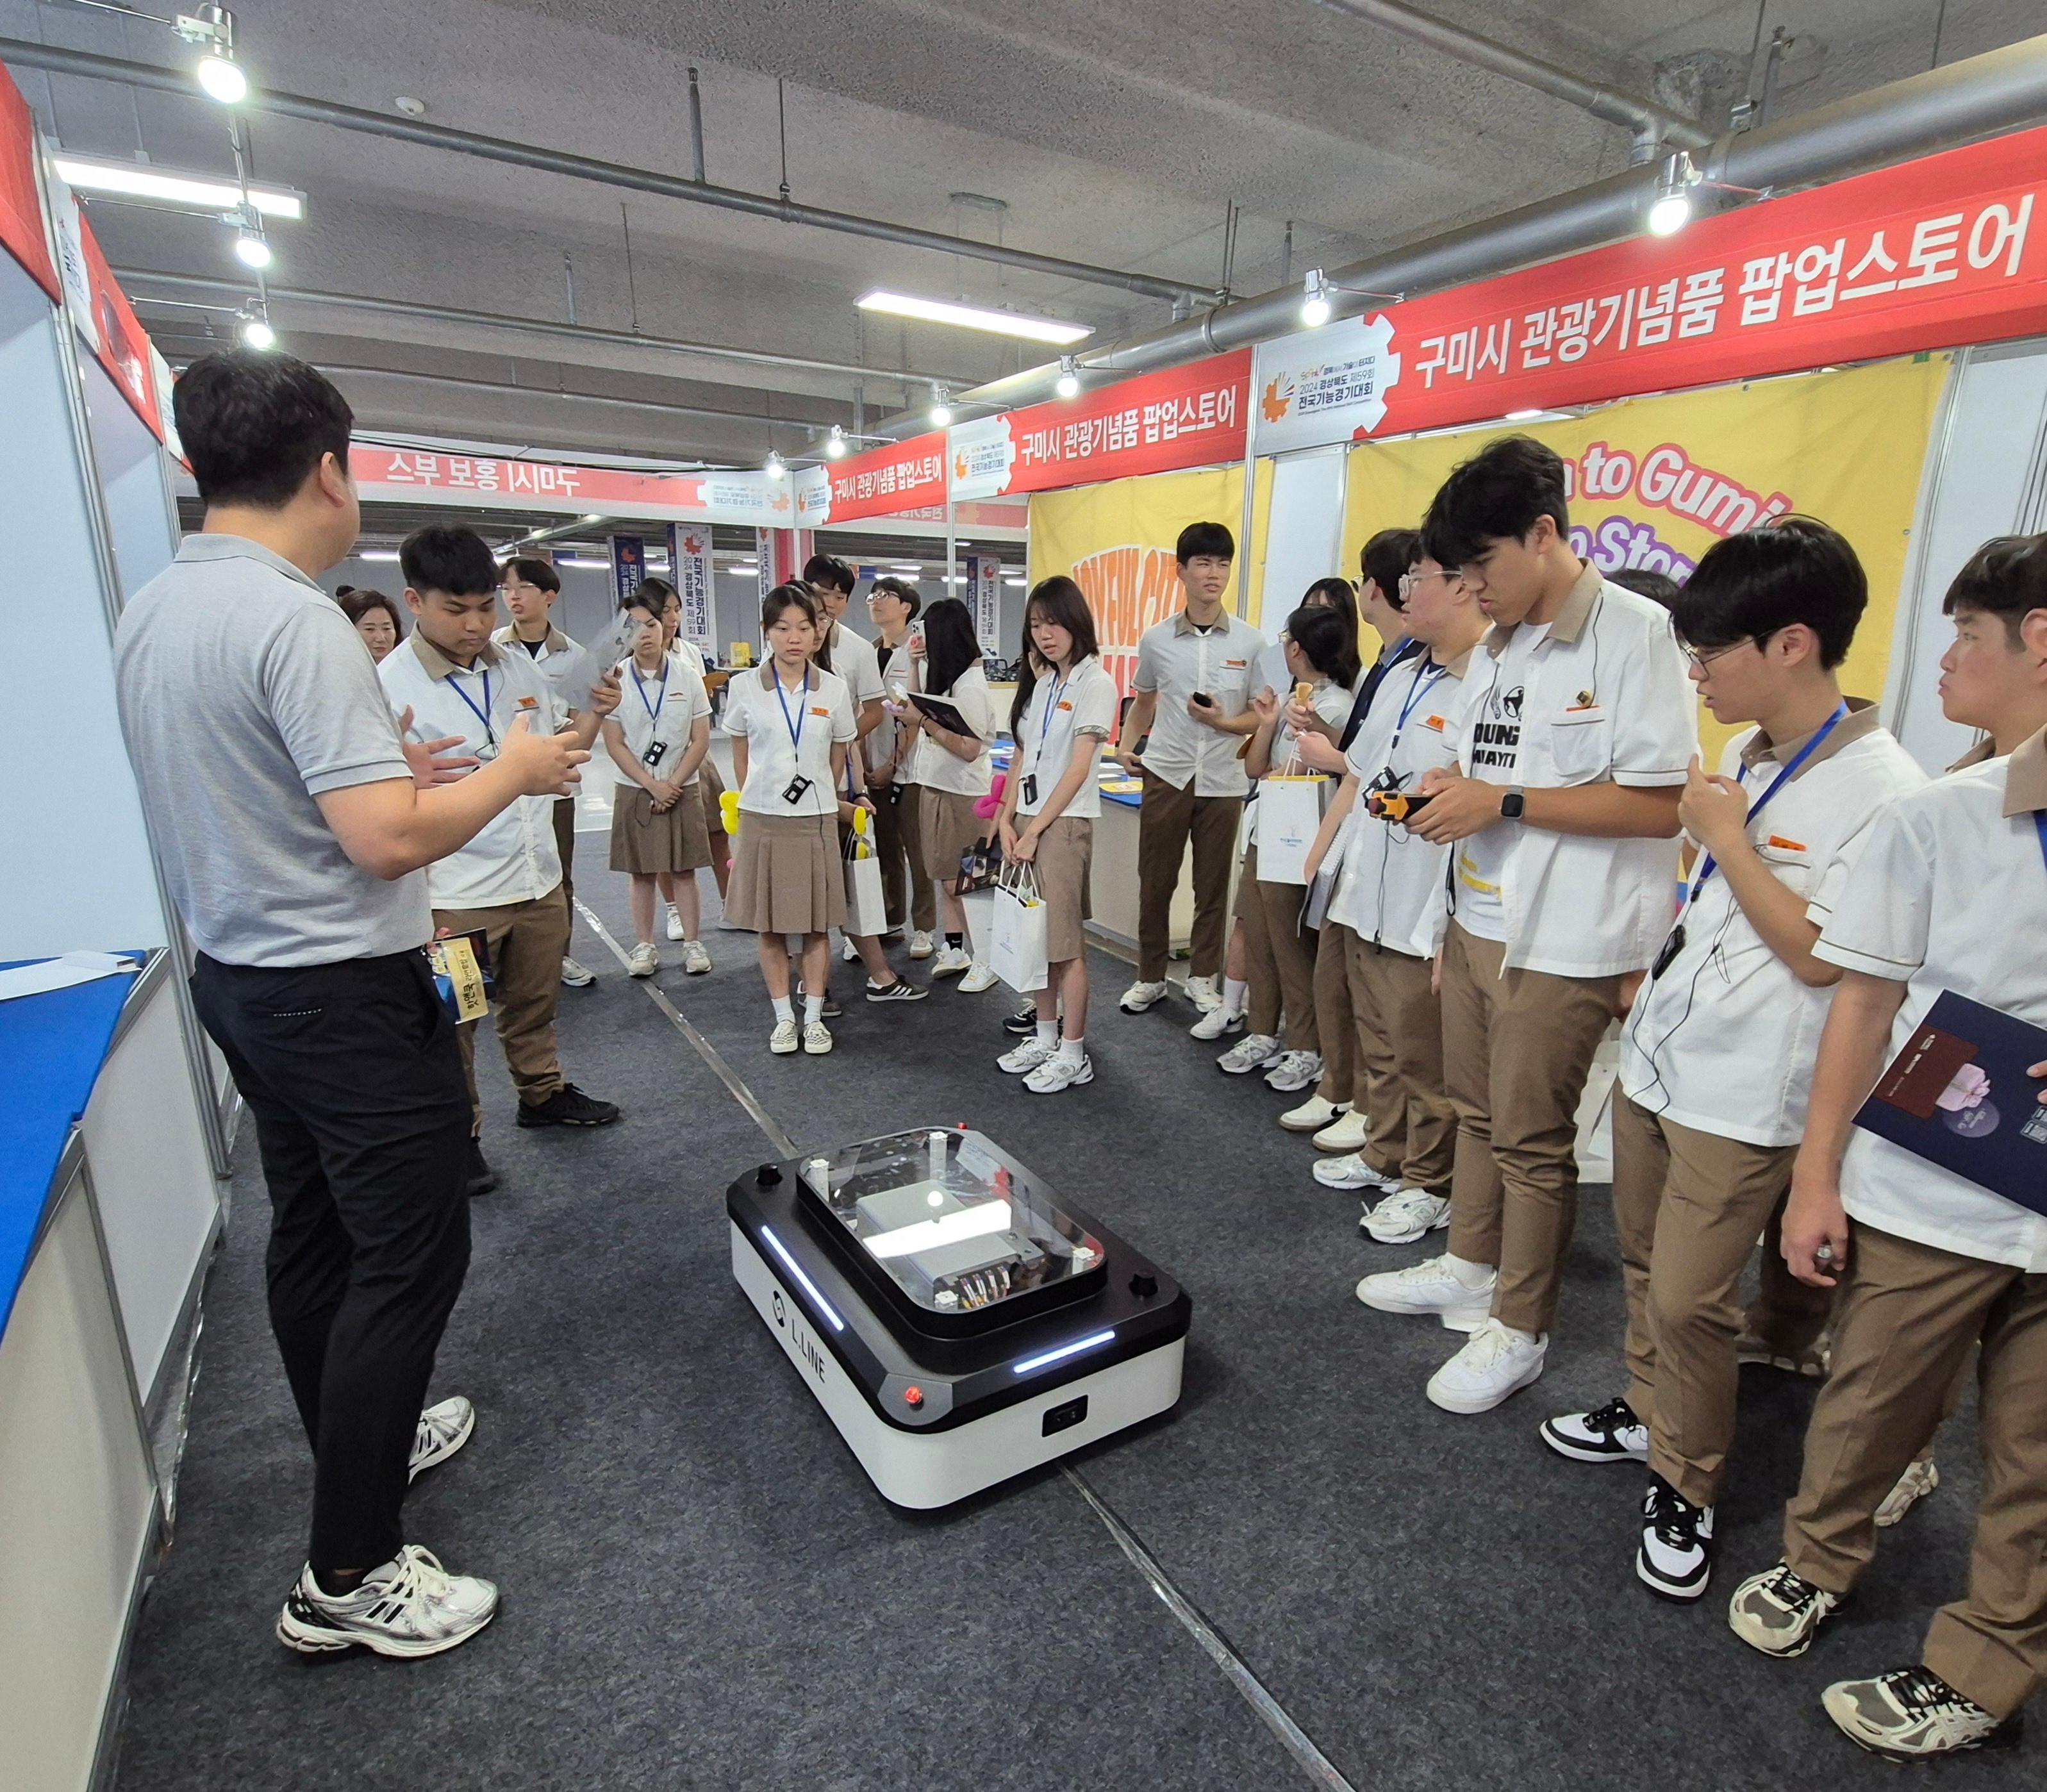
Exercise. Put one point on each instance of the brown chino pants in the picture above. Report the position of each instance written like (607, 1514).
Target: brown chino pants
(1414, 1126)
(1518, 1046)
(565, 846)
(923, 903)
(1343, 1076)
(1278, 959)
(1166, 820)
(1908, 1317)
(526, 941)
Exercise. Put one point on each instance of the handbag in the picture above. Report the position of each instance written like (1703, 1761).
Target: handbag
(1016, 950)
(980, 867)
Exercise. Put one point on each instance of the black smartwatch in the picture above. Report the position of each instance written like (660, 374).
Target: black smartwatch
(1512, 803)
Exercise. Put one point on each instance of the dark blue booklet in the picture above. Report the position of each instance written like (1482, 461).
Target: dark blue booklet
(1959, 1095)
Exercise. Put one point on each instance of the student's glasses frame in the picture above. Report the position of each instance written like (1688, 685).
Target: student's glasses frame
(1703, 660)
(1410, 580)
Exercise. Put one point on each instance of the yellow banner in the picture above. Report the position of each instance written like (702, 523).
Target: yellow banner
(1657, 481)
(1115, 542)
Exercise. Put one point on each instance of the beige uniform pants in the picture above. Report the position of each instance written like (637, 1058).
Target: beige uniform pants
(526, 941)
(1343, 1079)
(909, 831)
(1405, 1098)
(1167, 818)
(1278, 959)
(1907, 1317)
(1518, 1046)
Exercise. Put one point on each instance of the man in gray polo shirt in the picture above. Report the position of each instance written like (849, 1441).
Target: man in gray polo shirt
(293, 822)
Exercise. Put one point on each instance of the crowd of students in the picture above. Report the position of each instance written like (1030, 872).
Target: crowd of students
(1520, 847)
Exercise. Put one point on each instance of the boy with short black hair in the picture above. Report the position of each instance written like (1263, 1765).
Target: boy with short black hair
(507, 882)
(1717, 1054)
(1197, 673)
(1950, 895)
(1561, 815)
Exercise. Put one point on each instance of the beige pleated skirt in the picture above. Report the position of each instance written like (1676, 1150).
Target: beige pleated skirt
(787, 874)
(947, 825)
(676, 840)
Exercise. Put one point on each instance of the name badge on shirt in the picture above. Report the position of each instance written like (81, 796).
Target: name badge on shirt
(815, 710)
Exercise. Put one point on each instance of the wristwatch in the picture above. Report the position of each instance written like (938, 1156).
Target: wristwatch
(1513, 802)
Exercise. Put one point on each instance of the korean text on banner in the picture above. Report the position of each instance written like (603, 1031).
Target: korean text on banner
(984, 590)
(690, 570)
(498, 483)
(1654, 482)
(629, 565)
(21, 211)
(886, 481)
(1931, 253)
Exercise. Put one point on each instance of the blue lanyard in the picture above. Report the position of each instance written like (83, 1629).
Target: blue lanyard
(1051, 705)
(1416, 692)
(1776, 784)
(483, 715)
(2040, 822)
(654, 709)
(803, 709)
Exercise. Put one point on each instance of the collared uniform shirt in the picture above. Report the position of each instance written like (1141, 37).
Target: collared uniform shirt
(557, 659)
(661, 708)
(1603, 697)
(1390, 880)
(773, 722)
(879, 745)
(1062, 719)
(1332, 701)
(1724, 1041)
(853, 660)
(934, 767)
(1951, 893)
(513, 858)
(1175, 659)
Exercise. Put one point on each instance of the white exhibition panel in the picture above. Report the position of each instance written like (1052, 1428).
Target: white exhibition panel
(1985, 476)
(77, 1500)
(1303, 531)
(153, 1176)
(140, 515)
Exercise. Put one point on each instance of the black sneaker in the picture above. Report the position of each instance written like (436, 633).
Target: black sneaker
(568, 1106)
(901, 990)
(1024, 1022)
(1675, 1559)
(1612, 1434)
(1912, 1714)
(832, 1010)
(483, 1178)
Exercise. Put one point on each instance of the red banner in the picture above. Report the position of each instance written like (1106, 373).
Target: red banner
(1932, 253)
(886, 481)
(21, 211)
(496, 483)
(118, 340)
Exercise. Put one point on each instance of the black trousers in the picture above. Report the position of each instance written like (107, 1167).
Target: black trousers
(353, 1075)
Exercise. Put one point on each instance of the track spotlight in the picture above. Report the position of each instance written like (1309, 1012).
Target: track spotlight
(774, 466)
(251, 250)
(1670, 210)
(258, 334)
(941, 406)
(1069, 378)
(835, 443)
(1315, 307)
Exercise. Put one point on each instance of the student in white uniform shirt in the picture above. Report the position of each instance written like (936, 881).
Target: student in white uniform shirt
(658, 739)
(1386, 908)
(530, 587)
(507, 881)
(1717, 1052)
(910, 896)
(710, 785)
(1950, 895)
(1197, 673)
(952, 773)
(1562, 816)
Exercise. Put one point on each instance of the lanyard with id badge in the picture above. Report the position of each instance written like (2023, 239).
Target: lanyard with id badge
(656, 749)
(488, 750)
(799, 787)
(1030, 791)
(1383, 797)
(1675, 944)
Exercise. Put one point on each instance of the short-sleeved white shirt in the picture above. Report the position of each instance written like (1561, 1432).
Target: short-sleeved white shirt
(936, 768)
(881, 742)
(772, 722)
(1176, 660)
(557, 659)
(852, 658)
(662, 708)
(690, 654)
(1391, 878)
(1724, 1040)
(1604, 699)
(513, 858)
(1062, 718)
(1950, 893)
(1332, 701)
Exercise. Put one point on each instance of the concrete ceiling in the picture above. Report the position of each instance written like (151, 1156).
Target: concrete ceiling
(1116, 134)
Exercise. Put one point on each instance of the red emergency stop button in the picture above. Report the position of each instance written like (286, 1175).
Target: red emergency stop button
(913, 1396)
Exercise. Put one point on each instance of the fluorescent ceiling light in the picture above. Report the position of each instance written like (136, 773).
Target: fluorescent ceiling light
(981, 1221)
(139, 181)
(581, 560)
(378, 554)
(905, 566)
(972, 317)
(1015, 581)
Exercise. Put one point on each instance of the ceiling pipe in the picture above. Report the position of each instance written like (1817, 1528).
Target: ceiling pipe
(1649, 122)
(524, 326)
(2004, 90)
(56, 60)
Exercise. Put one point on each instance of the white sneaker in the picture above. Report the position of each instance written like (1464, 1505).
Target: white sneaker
(785, 1038)
(1405, 1216)
(1026, 1056)
(1204, 993)
(675, 922)
(1920, 1479)
(1254, 1051)
(1059, 1072)
(576, 976)
(951, 962)
(441, 1431)
(1353, 1172)
(980, 977)
(817, 1038)
(1430, 1286)
(696, 959)
(848, 952)
(410, 1607)
(1345, 1134)
(1215, 1024)
(1297, 1070)
(1497, 1361)
(1313, 1115)
(920, 946)
(643, 961)
(1140, 995)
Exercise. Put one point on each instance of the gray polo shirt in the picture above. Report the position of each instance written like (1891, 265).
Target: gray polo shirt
(245, 693)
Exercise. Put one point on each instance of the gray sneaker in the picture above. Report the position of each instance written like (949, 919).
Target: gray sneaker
(410, 1607)
(1779, 1612)
(1912, 1714)
(443, 1430)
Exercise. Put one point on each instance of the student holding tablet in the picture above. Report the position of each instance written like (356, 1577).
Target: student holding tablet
(952, 770)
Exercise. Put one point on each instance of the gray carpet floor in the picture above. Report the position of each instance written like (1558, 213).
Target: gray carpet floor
(701, 1590)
